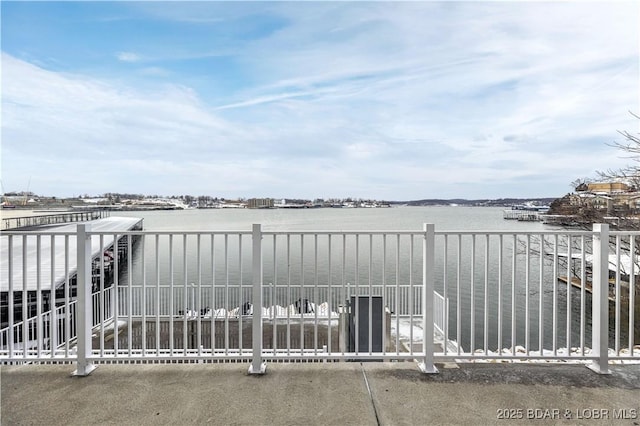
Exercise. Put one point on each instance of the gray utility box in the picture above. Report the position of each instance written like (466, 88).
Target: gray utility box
(361, 323)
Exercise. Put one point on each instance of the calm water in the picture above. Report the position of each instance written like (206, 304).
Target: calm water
(345, 219)
(331, 269)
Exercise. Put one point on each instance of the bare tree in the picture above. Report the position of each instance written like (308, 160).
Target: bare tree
(621, 214)
(631, 147)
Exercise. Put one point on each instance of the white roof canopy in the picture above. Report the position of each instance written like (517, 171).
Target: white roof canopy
(50, 270)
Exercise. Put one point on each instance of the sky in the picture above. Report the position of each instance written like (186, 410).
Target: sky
(381, 100)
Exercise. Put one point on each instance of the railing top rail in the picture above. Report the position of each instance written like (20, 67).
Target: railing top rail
(88, 212)
(350, 232)
(38, 232)
(516, 232)
(626, 233)
(319, 232)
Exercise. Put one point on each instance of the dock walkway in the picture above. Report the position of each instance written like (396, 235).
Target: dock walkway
(39, 220)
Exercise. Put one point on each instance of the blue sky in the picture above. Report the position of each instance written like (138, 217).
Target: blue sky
(386, 100)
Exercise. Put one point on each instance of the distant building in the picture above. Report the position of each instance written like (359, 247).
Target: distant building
(616, 198)
(608, 187)
(260, 203)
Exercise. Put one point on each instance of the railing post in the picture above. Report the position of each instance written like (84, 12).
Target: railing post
(84, 303)
(428, 277)
(257, 365)
(600, 299)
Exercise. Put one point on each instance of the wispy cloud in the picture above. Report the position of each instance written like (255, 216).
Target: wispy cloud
(128, 57)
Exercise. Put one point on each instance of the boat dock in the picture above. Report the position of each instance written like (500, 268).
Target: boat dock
(26, 222)
(521, 215)
(47, 262)
(577, 283)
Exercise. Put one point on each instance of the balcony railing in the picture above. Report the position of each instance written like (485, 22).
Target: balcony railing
(258, 296)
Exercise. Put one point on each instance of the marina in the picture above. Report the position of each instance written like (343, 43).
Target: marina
(525, 213)
(47, 265)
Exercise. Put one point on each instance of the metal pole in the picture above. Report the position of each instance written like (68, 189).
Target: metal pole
(428, 277)
(257, 365)
(600, 307)
(83, 292)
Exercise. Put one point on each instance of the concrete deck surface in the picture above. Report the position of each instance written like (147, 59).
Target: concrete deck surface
(319, 394)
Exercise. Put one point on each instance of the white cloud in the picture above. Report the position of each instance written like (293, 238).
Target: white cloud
(128, 57)
(396, 100)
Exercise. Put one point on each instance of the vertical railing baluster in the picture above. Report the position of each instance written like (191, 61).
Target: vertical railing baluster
(600, 308)
(198, 308)
(357, 294)
(315, 294)
(101, 317)
(257, 365)
(67, 298)
(541, 298)
(116, 292)
(513, 294)
(226, 294)
(458, 295)
(185, 297)
(130, 294)
(143, 303)
(84, 302)
(527, 266)
(445, 285)
(213, 296)
(39, 311)
(25, 299)
(370, 319)
(274, 298)
(555, 295)
(53, 324)
(398, 294)
(632, 294)
(485, 307)
(428, 278)
(569, 299)
(583, 292)
(172, 305)
(242, 300)
(500, 255)
(411, 294)
(10, 297)
(330, 295)
(617, 297)
(472, 309)
(384, 294)
(289, 298)
(302, 304)
(158, 310)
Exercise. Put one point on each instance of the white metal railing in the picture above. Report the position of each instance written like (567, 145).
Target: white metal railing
(193, 296)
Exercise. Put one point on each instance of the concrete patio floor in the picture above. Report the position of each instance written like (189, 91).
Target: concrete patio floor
(352, 393)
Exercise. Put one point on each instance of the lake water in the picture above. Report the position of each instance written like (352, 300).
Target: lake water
(343, 219)
(333, 268)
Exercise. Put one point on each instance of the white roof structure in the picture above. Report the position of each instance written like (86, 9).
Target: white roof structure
(52, 268)
(625, 266)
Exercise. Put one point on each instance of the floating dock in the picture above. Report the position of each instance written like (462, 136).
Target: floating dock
(521, 215)
(46, 261)
(55, 260)
(577, 283)
(27, 222)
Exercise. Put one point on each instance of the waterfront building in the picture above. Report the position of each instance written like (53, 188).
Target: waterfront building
(260, 203)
